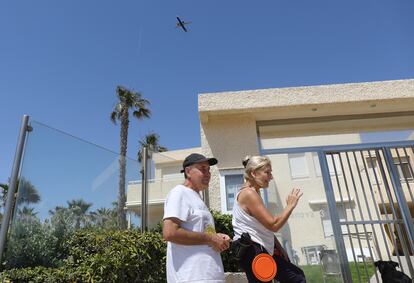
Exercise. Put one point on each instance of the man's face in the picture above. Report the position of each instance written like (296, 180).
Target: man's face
(199, 174)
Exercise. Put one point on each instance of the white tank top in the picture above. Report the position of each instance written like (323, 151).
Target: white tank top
(243, 222)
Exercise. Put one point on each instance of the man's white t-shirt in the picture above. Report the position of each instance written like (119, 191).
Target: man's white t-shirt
(191, 263)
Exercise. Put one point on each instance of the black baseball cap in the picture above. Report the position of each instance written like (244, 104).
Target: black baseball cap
(194, 158)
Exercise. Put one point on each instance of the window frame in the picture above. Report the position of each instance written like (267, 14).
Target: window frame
(405, 161)
(223, 192)
(298, 177)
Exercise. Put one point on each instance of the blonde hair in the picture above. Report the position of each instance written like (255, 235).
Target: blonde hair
(253, 163)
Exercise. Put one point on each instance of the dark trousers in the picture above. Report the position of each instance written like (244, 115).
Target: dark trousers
(286, 271)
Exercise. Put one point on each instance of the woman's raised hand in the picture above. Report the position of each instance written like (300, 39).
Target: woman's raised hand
(293, 197)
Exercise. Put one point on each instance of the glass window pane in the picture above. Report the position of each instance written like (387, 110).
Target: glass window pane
(298, 166)
(233, 183)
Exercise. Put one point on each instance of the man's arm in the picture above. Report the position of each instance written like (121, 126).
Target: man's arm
(173, 232)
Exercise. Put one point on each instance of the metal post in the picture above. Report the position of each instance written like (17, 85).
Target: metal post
(13, 182)
(144, 188)
(336, 227)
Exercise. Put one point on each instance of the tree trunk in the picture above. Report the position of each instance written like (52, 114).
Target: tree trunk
(122, 222)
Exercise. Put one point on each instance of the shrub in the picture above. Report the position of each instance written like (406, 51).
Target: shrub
(103, 256)
(30, 244)
(112, 256)
(118, 256)
(38, 274)
(223, 225)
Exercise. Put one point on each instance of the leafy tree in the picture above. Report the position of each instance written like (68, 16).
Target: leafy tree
(127, 100)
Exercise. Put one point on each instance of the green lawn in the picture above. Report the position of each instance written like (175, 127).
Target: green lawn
(314, 273)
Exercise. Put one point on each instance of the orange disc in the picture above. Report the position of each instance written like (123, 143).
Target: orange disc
(264, 267)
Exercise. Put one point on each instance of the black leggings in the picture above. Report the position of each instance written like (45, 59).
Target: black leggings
(286, 271)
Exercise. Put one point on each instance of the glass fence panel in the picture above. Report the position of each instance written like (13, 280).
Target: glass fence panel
(65, 184)
(164, 174)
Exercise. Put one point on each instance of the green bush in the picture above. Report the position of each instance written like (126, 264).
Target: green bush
(38, 274)
(118, 256)
(103, 256)
(223, 225)
(111, 256)
(30, 244)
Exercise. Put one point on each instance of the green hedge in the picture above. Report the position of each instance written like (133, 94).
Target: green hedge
(223, 225)
(38, 274)
(118, 256)
(113, 256)
(103, 256)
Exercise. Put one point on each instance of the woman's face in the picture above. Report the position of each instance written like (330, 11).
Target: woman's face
(263, 176)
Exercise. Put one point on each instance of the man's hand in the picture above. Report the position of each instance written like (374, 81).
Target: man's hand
(219, 242)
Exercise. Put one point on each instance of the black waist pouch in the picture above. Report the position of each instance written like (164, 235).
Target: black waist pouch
(240, 246)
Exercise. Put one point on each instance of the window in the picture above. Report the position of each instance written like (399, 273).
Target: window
(298, 166)
(331, 167)
(230, 183)
(404, 168)
(326, 221)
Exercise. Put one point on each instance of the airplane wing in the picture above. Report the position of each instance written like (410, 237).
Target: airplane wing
(181, 24)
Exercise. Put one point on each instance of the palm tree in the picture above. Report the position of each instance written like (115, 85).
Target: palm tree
(79, 208)
(105, 217)
(27, 192)
(151, 141)
(5, 189)
(26, 213)
(127, 100)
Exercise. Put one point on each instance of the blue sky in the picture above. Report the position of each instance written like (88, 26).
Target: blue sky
(62, 60)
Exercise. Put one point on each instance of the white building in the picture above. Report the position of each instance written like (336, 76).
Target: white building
(276, 122)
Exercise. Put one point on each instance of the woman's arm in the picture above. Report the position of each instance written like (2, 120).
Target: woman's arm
(253, 203)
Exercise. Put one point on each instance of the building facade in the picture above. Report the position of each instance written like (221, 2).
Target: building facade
(292, 126)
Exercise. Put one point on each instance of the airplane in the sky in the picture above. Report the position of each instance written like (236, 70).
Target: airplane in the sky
(181, 24)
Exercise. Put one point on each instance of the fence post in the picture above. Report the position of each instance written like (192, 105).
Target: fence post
(13, 182)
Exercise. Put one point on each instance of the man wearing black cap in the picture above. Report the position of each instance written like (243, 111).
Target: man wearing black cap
(194, 247)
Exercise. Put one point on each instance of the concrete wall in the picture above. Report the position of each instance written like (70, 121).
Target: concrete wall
(299, 117)
(228, 120)
(229, 140)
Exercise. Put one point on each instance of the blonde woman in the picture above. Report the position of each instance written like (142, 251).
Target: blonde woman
(251, 216)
